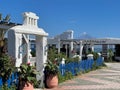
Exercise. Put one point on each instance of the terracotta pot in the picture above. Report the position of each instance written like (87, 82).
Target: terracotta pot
(26, 86)
(52, 81)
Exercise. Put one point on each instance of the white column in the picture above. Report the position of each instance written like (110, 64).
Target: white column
(35, 22)
(14, 46)
(63, 64)
(28, 48)
(41, 54)
(27, 20)
(66, 49)
(104, 51)
(31, 21)
(18, 46)
(81, 49)
(71, 48)
(92, 48)
(58, 45)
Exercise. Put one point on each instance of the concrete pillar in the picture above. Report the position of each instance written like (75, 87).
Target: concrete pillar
(41, 55)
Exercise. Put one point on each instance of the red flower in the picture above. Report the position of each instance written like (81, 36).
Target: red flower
(28, 63)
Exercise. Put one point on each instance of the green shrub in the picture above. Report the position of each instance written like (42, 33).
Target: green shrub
(7, 67)
(54, 56)
(68, 75)
(5, 87)
(94, 66)
(110, 55)
(61, 78)
(75, 59)
(27, 73)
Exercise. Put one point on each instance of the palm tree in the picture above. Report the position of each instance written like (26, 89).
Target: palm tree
(6, 19)
(110, 55)
(2, 33)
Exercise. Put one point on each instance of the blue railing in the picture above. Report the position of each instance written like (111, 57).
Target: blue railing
(83, 65)
(73, 67)
(13, 80)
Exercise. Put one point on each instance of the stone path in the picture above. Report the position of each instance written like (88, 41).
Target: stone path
(102, 79)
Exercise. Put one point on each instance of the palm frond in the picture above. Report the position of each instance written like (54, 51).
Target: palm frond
(7, 18)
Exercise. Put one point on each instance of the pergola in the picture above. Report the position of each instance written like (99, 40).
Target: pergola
(82, 42)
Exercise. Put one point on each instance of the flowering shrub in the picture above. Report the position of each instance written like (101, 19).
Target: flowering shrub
(27, 73)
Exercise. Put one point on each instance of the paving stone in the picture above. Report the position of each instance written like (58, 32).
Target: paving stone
(102, 79)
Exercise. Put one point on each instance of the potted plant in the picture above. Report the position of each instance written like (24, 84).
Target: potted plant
(51, 74)
(52, 67)
(27, 77)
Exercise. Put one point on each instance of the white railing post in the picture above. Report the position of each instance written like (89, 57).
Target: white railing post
(63, 64)
(90, 56)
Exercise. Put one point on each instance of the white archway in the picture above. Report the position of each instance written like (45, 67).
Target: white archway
(19, 45)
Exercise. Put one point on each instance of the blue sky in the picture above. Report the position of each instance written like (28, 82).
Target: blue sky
(99, 18)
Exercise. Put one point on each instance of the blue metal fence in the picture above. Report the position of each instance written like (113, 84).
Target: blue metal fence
(13, 80)
(83, 65)
(73, 67)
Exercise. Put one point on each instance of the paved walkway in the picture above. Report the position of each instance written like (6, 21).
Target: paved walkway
(102, 79)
